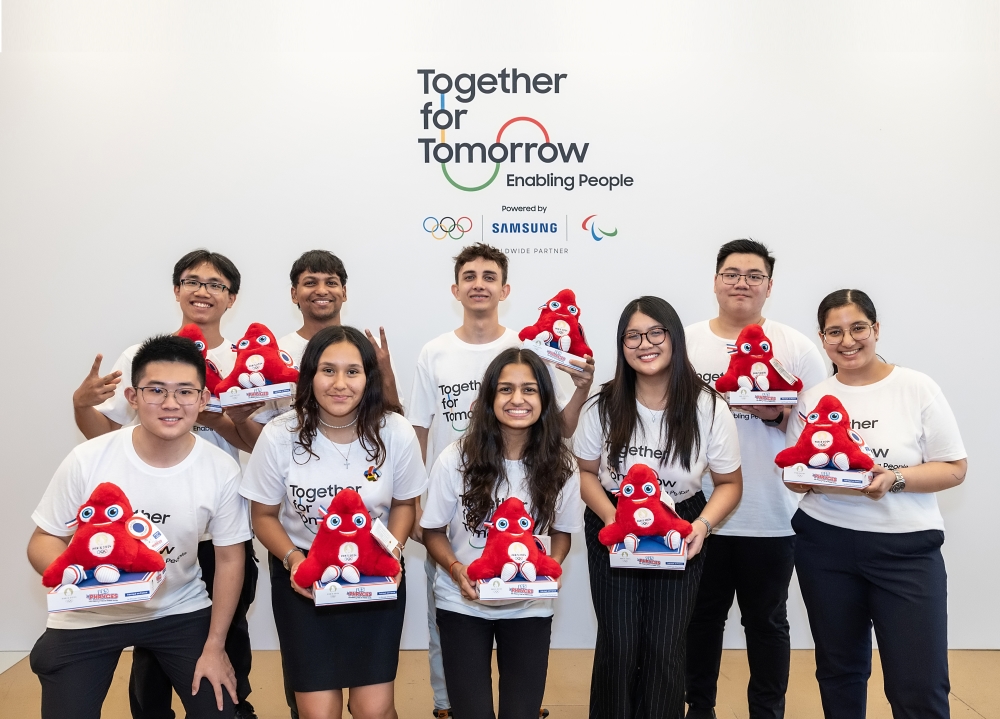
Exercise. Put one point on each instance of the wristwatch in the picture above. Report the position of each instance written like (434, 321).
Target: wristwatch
(900, 484)
(284, 560)
(776, 422)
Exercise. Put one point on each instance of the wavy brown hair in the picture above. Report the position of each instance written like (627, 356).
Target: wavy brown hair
(548, 463)
(371, 410)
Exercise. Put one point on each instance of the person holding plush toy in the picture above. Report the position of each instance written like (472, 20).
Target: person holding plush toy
(655, 411)
(510, 474)
(342, 435)
(872, 557)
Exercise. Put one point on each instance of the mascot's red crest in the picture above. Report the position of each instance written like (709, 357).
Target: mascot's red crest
(827, 441)
(105, 541)
(344, 547)
(641, 513)
(751, 367)
(212, 375)
(259, 362)
(559, 325)
(511, 547)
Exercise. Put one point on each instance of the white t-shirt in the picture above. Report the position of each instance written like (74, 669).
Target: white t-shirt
(197, 498)
(719, 448)
(444, 509)
(117, 409)
(767, 507)
(446, 384)
(906, 421)
(295, 345)
(279, 472)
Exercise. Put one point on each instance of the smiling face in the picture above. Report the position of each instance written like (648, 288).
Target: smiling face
(742, 299)
(339, 384)
(320, 297)
(201, 306)
(517, 404)
(170, 420)
(647, 359)
(850, 354)
(480, 286)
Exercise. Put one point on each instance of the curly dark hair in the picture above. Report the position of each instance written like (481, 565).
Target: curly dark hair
(371, 410)
(548, 463)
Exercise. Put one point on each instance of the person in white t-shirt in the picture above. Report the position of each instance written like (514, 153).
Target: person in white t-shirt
(872, 557)
(513, 448)
(655, 411)
(446, 384)
(752, 551)
(205, 287)
(191, 489)
(341, 434)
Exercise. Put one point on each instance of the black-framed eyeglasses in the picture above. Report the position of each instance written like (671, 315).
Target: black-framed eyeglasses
(835, 335)
(185, 396)
(656, 335)
(214, 288)
(753, 278)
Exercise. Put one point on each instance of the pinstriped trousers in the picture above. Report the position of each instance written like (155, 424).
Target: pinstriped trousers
(642, 622)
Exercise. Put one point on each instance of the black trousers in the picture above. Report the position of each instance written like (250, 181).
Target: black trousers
(149, 687)
(522, 660)
(756, 571)
(852, 581)
(76, 666)
(642, 622)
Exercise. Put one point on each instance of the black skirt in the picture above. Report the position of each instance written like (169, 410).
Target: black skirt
(337, 647)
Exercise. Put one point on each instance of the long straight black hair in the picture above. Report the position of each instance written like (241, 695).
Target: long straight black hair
(548, 463)
(372, 408)
(616, 400)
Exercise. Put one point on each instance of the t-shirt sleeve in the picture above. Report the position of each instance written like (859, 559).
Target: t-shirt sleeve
(264, 478)
(588, 441)
(116, 407)
(569, 506)
(409, 475)
(443, 488)
(811, 368)
(422, 406)
(723, 449)
(940, 440)
(62, 498)
(230, 523)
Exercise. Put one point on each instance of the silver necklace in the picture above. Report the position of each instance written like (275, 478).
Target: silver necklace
(347, 457)
(333, 426)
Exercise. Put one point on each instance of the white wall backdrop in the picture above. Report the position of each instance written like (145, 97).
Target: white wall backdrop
(859, 140)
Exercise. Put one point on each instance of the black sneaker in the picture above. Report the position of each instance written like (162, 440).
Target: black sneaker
(542, 713)
(700, 713)
(244, 710)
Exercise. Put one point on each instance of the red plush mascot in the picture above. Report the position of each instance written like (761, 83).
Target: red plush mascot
(511, 547)
(344, 547)
(212, 375)
(827, 441)
(259, 362)
(105, 541)
(559, 325)
(641, 513)
(750, 366)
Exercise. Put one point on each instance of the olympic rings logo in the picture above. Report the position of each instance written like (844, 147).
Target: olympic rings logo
(447, 227)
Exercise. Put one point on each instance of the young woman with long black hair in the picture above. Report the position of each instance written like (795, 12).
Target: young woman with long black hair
(513, 448)
(341, 434)
(656, 411)
(872, 557)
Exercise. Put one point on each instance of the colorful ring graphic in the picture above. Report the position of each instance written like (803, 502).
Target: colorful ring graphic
(448, 227)
(594, 229)
(496, 170)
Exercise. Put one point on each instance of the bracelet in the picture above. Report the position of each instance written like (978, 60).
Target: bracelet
(776, 422)
(707, 523)
(284, 560)
(400, 546)
(452, 566)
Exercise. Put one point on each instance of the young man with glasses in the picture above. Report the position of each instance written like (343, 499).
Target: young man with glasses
(205, 286)
(166, 472)
(751, 553)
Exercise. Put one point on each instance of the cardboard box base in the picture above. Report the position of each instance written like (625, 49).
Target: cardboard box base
(851, 479)
(213, 404)
(551, 354)
(131, 587)
(651, 553)
(752, 397)
(496, 589)
(241, 395)
(369, 589)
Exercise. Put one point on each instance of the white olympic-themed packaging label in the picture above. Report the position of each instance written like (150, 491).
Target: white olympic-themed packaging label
(650, 553)
(744, 396)
(803, 474)
(242, 395)
(131, 587)
(367, 589)
(552, 354)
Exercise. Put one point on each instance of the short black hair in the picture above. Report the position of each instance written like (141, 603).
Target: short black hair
(481, 251)
(320, 261)
(745, 247)
(223, 265)
(167, 348)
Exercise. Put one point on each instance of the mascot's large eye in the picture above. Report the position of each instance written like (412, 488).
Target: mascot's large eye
(812, 417)
(573, 309)
(627, 490)
(333, 521)
(745, 348)
(200, 345)
(360, 519)
(835, 416)
(263, 340)
(86, 513)
(554, 305)
(243, 344)
(113, 512)
(766, 346)
(502, 524)
(648, 488)
(524, 523)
